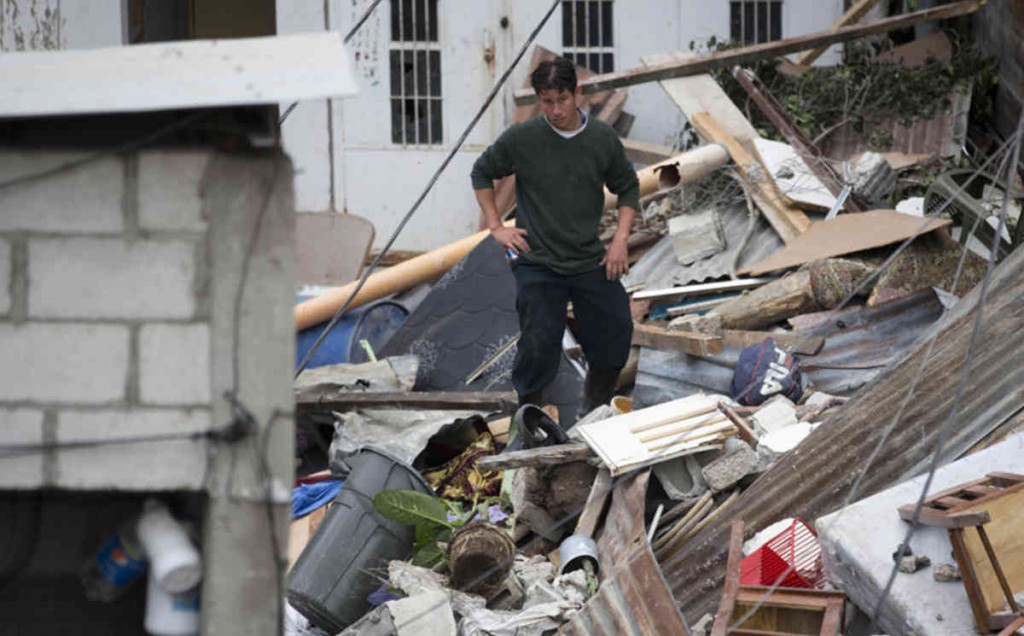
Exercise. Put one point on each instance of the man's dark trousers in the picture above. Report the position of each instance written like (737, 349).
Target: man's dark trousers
(604, 326)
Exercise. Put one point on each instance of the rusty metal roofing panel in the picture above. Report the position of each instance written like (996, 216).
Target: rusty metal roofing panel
(634, 598)
(942, 135)
(859, 343)
(814, 479)
(658, 267)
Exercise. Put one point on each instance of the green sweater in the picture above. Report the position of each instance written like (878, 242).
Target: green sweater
(560, 187)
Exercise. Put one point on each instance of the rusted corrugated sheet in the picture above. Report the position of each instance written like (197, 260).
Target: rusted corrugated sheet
(634, 598)
(942, 135)
(815, 478)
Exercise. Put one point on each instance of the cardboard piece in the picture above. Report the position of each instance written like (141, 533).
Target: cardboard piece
(845, 234)
(330, 248)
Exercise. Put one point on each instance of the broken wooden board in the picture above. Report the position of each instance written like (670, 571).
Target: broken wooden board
(340, 400)
(702, 94)
(846, 234)
(330, 248)
(785, 218)
(739, 56)
(793, 176)
(545, 456)
(804, 345)
(695, 344)
(658, 433)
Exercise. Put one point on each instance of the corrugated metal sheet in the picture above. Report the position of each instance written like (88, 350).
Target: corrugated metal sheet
(814, 479)
(942, 135)
(634, 599)
(658, 268)
(859, 343)
(168, 75)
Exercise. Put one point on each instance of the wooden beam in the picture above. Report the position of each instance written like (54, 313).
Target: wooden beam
(805, 345)
(646, 153)
(545, 456)
(695, 344)
(810, 153)
(701, 289)
(599, 495)
(732, 581)
(785, 218)
(339, 400)
(814, 482)
(852, 16)
(734, 57)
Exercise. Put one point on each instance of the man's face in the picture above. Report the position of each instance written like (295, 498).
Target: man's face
(559, 105)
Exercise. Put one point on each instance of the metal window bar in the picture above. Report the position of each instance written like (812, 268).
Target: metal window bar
(416, 61)
(587, 34)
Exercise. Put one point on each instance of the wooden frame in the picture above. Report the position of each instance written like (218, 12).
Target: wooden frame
(969, 505)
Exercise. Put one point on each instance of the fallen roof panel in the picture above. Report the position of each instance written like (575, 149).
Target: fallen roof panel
(168, 75)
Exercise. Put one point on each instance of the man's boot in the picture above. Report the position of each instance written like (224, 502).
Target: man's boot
(598, 389)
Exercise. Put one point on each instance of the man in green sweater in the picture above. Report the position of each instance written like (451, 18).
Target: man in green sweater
(562, 161)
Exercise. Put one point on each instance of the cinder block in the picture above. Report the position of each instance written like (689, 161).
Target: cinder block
(84, 199)
(5, 277)
(110, 278)
(174, 364)
(21, 427)
(63, 363)
(727, 471)
(155, 465)
(169, 190)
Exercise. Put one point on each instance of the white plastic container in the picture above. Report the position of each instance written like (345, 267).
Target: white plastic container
(170, 614)
(173, 561)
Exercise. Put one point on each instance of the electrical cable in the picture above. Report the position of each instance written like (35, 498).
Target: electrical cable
(430, 185)
(355, 28)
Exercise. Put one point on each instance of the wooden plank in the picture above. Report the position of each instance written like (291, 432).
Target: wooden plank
(1012, 628)
(546, 456)
(646, 153)
(732, 581)
(793, 343)
(737, 57)
(744, 430)
(695, 344)
(785, 218)
(702, 94)
(599, 495)
(337, 400)
(852, 16)
(970, 580)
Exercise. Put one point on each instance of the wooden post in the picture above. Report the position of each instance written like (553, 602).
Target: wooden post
(852, 16)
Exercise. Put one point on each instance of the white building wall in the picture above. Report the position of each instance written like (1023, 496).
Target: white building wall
(343, 155)
(48, 25)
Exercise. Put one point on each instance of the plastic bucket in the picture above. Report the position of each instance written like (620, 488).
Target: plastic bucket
(375, 323)
(331, 579)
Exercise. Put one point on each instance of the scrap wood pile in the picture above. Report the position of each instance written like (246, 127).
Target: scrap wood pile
(803, 311)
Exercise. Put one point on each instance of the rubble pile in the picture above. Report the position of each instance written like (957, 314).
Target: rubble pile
(798, 343)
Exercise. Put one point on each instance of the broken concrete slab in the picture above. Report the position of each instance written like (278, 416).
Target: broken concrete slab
(776, 414)
(857, 546)
(873, 178)
(696, 236)
(793, 176)
(427, 614)
(726, 471)
(786, 438)
(397, 373)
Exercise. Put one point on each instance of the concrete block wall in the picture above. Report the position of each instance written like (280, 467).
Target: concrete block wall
(104, 320)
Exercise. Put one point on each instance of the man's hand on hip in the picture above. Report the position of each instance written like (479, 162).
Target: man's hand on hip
(616, 259)
(512, 238)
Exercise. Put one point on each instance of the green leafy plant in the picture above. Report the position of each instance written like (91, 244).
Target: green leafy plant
(428, 515)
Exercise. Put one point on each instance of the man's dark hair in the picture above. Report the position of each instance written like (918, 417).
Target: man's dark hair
(558, 73)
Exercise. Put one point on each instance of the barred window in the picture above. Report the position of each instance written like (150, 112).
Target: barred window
(755, 21)
(587, 34)
(415, 61)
